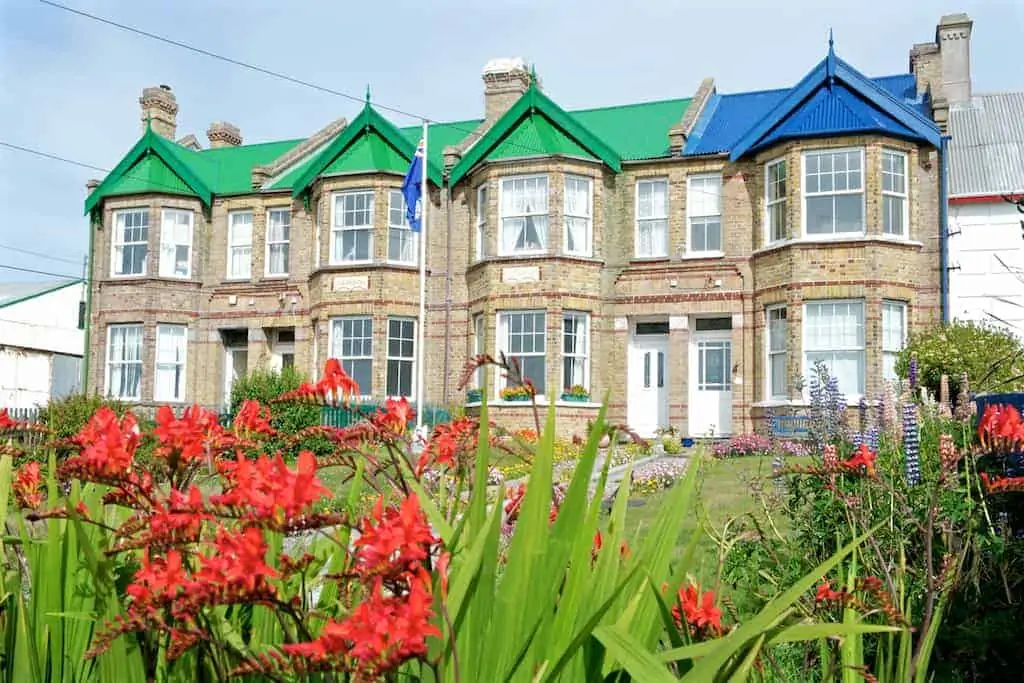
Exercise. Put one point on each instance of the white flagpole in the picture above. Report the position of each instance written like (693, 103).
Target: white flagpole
(421, 327)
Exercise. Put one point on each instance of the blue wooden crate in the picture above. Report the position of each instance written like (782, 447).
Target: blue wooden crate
(790, 426)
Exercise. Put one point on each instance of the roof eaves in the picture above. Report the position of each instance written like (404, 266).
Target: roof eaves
(533, 100)
(42, 292)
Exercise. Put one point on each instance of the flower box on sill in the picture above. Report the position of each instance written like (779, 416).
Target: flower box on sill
(577, 393)
(575, 398)
(474, 396)
(516, 393)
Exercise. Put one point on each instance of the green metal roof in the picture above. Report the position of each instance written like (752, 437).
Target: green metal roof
(534, 126)
(12, 294)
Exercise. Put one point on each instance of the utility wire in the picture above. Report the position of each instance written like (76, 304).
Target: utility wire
(40, 272)
(40, 254)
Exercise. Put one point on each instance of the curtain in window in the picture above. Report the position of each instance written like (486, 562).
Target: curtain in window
(125, 362)
(835, 336)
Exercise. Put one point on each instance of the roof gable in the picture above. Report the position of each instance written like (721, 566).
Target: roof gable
(167, 172)
(835, 98)
(559, 133)
(386, 145)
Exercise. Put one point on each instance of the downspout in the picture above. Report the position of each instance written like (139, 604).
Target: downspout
(447, 290)
(944, 229)
(88, 306)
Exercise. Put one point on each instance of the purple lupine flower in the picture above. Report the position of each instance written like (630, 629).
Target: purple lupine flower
(862, 414)
(911, 445)
(912, 373)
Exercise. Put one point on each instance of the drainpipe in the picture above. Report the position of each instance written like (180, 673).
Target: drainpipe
(447, 291)
(88, 307)
(944, 229)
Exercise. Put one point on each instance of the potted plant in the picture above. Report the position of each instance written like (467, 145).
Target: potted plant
(517, 392)
(474, 395)
(577, 392)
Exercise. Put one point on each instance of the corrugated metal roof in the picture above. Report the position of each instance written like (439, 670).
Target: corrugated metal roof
(16, 292)
(728, 117)
(986, 148)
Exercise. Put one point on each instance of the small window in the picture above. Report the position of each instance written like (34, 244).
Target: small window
(778, 384)
(401, 357)
(651, 328)
(713, 324)
(279, 223)
(894, 193)
(894, 336)
(704, 213)
(352, 231)
(575, 350)
(286, 335)
(401, 238)
(481, 221)
(352, 344)
(240, 245)
(171, 350)
(776, 218)
(834, 192)
(523, 339)
(176, 244)
(524, 215)
(131, 242)
(578, 216)
(652, 218)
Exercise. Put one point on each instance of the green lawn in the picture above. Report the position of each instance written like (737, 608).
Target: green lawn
(727, 490)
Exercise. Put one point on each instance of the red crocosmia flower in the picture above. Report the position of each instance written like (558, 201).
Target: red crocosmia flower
(6, 422)
(238, 563)
(1001, 484)
(253, 418)
(1001, 428)
(447, 441)
(862, 458)
(196, 434)
(265, 489)
(826, 594)
(26, 486)
(394, 539)
(698, 611)
(159, 579)
(443, 562)
(333, 388)
(108, 446)
(395, 417)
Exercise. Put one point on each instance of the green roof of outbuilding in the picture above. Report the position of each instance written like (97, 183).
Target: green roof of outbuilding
(534, 126)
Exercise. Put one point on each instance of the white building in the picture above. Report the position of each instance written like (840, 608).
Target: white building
(41, 342)
(986, 244)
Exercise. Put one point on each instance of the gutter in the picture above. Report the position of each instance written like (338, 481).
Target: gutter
(944, 229)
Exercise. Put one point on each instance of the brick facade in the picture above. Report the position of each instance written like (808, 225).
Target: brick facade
(611, 285)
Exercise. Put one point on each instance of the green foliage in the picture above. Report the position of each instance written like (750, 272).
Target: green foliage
(64, 417)
(993, 358)
(265, 385)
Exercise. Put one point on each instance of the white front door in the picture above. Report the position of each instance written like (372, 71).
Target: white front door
(648, 385)
(711, 384)
(236, 362)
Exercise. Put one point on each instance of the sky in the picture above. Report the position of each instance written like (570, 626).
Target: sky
(69, 86)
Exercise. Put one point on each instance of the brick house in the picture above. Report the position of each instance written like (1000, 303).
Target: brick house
(689, 257)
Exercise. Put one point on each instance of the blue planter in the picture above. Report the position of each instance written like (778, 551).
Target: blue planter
(575, 398)
(474, 396)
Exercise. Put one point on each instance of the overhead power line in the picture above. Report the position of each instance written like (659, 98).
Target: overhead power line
(40, 254)
(40, 272)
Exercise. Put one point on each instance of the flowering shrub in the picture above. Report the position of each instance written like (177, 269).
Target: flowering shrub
(517, 392)
(655, 476)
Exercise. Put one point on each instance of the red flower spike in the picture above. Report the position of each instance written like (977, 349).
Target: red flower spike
(253, 419)
(334, 388)
(394, 540)
(864, 457)
(107, 445)
(698, 611)
(26, 486)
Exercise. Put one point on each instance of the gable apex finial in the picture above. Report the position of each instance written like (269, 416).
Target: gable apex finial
(831, 42)
(830, 60)
(367, 93)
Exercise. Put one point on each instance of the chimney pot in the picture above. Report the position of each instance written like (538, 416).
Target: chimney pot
(223, 134)
(953, 36)
(159, 110)
(505, 80)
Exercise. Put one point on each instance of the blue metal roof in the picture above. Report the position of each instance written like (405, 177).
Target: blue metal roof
(832, 99)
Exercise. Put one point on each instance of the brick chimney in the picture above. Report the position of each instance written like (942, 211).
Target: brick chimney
(505, 80)
(223, 134)
(953, 36)
(160, 110)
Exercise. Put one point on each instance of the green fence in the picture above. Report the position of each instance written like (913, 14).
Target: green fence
(331, 416)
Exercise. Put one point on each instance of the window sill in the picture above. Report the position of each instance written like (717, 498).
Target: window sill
(697, 255)
(280, 276)
(649, 259)
(512, 258)
(402, 265)
(141, 279)
(851, 402)
(541, 401)
(848, 239)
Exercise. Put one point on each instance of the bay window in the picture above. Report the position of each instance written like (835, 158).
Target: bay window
(521, 337)
(523, 215)
(776, 218)
(652, 218)
(352, 227)
(704, 213)
(130, 242)
(401, 238)
(834, 335)
(575, 350)
(171, 347)
(894, 336)
(481, 221)
(124, 362)
(833, 192)
(352, 345)
(176, 244)
(401, 356)
(578, 210)
(894, 193)
(778, 384)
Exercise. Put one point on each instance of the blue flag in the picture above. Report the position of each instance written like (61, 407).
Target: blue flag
(412, 189)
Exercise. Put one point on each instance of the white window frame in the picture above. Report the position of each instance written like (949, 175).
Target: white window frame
(338, 230)
(581, 349)
(409, 237)
(482, 207)
(239, 247)
(774, 355)
(696, 187)
(166, 240)
(179, 366)
(639, 220)
(286, 243)
(335, 346)
(770, 203)
(139, 363)
(586, 216)
(478, 348)
(903, 197)
(410, 359)
(808, 367)
(804, 195)
(891, 351)
(502, 345)
(117, 241)
(536, 213)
